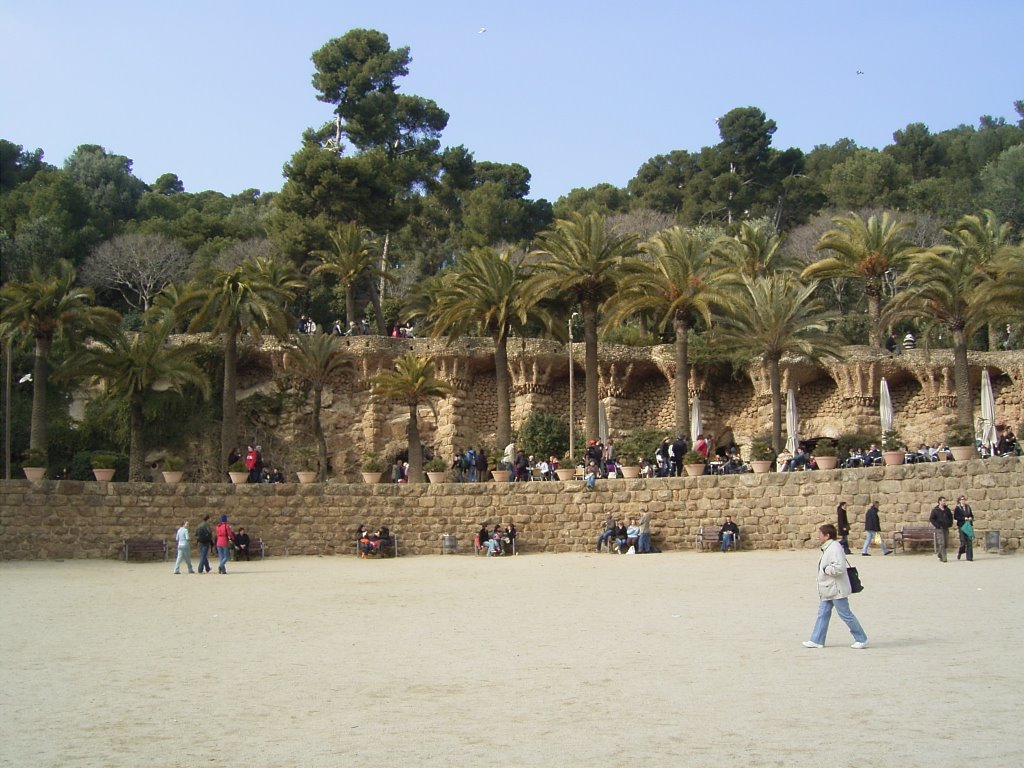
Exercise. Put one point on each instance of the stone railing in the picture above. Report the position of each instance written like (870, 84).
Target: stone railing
(72, 519)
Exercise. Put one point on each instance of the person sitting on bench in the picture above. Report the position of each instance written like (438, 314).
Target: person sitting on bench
(729, 534)
(241, 545)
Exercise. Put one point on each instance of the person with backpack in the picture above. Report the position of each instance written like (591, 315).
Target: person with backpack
(204, 535)
(471, 469)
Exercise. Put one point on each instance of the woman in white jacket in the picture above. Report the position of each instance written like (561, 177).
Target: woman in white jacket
(834, 591)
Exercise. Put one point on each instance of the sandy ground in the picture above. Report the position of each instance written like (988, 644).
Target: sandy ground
(547, 660)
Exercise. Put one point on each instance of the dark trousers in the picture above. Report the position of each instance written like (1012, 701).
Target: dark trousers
(966, 547)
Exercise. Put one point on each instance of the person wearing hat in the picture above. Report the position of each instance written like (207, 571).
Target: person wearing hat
(225, 537)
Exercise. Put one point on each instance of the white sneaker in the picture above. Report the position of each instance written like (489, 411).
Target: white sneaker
(859, 645)
(812, 644)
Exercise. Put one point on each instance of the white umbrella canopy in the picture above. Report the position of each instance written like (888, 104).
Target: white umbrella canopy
(885, 407)
(988, 411)
(792, 438)
(696, 420)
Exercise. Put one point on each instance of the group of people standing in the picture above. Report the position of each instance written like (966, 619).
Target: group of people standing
(222, 536)
(941, 518)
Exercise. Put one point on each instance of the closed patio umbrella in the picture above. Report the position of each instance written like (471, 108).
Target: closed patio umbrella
(885, 407)
(792, 439)
(696, 420)
(988, 412)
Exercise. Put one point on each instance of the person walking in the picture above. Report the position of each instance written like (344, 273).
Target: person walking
(941, 519)
(843, 526)
(224, 538)
(963, 515)
(204, 535)
(872, 528)
(834, 591)
(183, 552)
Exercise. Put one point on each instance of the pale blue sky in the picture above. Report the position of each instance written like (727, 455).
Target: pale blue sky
(578, 92)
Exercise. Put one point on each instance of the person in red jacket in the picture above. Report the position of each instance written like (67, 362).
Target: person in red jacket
(225, 536)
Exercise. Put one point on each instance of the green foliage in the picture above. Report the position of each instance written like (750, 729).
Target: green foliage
(238, 466)
(892, 440)
(436, 464)
(173, 463)
(543, 434)
(33, 457)
(825, 447)
(960, 434)
(629, 336)
(761, 449)
(103, 460)
(692, 457)
(640, 443)
(373, 462)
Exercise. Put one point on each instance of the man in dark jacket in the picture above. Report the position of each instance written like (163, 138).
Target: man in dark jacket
(873, 527)
(204, 535)
(941, 519)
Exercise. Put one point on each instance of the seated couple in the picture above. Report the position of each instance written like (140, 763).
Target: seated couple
(373, 543)
(497, 542)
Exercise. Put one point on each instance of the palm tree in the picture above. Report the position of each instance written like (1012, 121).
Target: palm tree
(755, 251)
(411, 382)
(317, 359)
(777, 315)
(487, 293)
(946, 286)
(351, 256)
(246, 299)
(864, 250)
(47, 307)
(679, 285)
(990, 244)
(134, 366)
(580, 258)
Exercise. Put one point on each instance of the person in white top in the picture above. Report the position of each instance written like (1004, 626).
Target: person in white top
(183, 550)
(834, 591)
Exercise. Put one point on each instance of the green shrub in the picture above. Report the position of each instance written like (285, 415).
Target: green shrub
(543, 434)
(436, 464)
(33, 457)
(641, 442)
(960, 434)
(761, 449)
(692, 457)
(825, 447)
(173, 463)
(238, 466)
(373, 462)
(103, 460)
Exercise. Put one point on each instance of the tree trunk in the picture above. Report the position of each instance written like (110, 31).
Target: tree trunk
(40, 376)
(682, 392)
(136, 450)
(874, 314)
(229, 416)
(377, 310)
(775, 382)
(962, 380)
(318, 433)
(415, 449)
(590, 367)
(501, 381)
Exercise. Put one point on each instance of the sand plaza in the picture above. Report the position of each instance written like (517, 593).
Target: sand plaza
(569, 659)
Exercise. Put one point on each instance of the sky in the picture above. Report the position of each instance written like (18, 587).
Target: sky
(580, 93)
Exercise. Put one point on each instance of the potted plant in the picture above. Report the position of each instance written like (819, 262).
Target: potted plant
(373, 467)
(566, 468)
(499, 473)
(826, 454)
(33, 463)
(238, 473)
(693, 463)
(436, 469)
(762, 455)
(306, 456)
(173, 470)
(892, 448)
(960, 439)
(104, 465)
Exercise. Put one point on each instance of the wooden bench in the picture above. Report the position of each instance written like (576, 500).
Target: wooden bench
(143, 549)
(707, 538)
(257, 547)
(913, 535)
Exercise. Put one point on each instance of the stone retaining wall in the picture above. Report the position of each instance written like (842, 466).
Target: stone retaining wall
(71, 519)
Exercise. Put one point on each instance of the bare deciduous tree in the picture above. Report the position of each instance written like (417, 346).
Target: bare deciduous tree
(137, 266)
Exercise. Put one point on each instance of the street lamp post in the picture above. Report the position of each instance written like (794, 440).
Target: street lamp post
(571, 413)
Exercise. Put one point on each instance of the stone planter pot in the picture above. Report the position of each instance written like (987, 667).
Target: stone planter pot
(34, 473)
(694, 470)
(306, 477)
(565, 475)
(761, 467)
(372, 478)
(826, 462)
(437, 477)
(239, 478)
(104, 475)
(501, 475)
(892, 458)
(172, 477)
(630, 473)
(963, 452)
